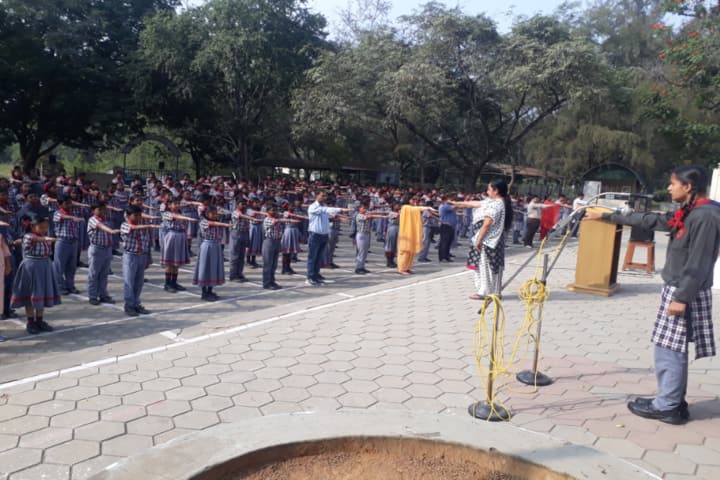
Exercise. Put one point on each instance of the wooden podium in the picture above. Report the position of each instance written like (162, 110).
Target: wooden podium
(598, 256)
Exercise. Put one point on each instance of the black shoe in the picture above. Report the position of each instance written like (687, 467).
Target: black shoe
(179, 287)
(334, 266)
(241, 279)
(272, 287)
(107, 299)
(291, 272)
(116, 253)
(111, 272)
(65, 291)
(365, 270)
(82, 264)
(142, 310)
(10, 314)
(214, 296)
(44, 326)
(73, 290)
(424, 260)
(360, 271)
(647, 410)
(684, 410)
(132, 312)
(94, 301)
(277, 287)
(311, 283)
(32, 328)
(169, 288)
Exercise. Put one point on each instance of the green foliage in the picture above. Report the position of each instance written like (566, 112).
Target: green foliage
(63, 65)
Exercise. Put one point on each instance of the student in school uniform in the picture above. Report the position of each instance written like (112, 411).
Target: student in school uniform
(391, 235)
(35, 286)
(209, 269)
(67, 233)
(256, 233)
(363, 225)
(5, 264)
(239, 239)
(272, 230)
(99, 255)
(174, 251)
(290, 241)
(135, 242)
(82, 211)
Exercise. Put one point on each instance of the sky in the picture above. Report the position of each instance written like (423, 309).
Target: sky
(501, 11)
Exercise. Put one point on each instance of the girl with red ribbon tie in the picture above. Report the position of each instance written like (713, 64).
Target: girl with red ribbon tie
(685, 313)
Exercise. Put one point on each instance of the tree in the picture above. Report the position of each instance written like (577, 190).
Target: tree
(478, 94)
(63, 68)
(223, 80)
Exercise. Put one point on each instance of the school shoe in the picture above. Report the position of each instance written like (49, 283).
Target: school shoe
(334, 266)
(32, 328)
(73, 290)
(142, 310)
(44, 326)
(644, 409)
(360, 271)
(321, 279)
(684, 411)
(10, 314)
(312, 283)
(94, 301)
(82, 264)
(241, 279)
(273, 286)
(107, 299)
(179, 287)
(132, 312)
(364, 270)
(170, 288)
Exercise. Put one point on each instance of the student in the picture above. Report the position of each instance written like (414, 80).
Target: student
(35, 286)
(272, 230)
(391, 235)
(239, 239)
(66, 247)
(290, 241)
(174, 251)
(685, 313)
(135, 242)
(99, 255)
(209, 269)
(429, 222)
(363, 222)
(448, 222)
(256, 233)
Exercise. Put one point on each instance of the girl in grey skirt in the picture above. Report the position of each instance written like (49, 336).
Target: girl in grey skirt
(209, 269)
(35, 287)
(174, 251)
(391, 236)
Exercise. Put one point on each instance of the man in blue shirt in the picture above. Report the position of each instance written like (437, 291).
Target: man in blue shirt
(319, 231)
(448, 224)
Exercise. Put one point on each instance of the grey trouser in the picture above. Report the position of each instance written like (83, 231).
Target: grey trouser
(270, 253)
(65, 262)
(99, 260)
(133, 276)
(671, 371)
(239, 242)
(427, 235)
(362, 242)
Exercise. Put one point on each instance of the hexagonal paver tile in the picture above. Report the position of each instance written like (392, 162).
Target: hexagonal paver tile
(196, 420)
(31, 397)
(151, 425)
(126, 445)
(161, 384)
(298, 381)
(451, 386)
(620, 447)
(8, 412)
(263, 385)
(74, 419)
(669, 462)
(319, 404)
(123, 413)
(168, 408)
(120, 388)
(185, 393)
(212, 403)
(213, 369)
(392, 381)
(279, 408)
(699, 454)
(100, 402)
(177, 372)
(225, 389)
(44, 472)
(72, 452)
(19, 459)
(236, 414)
(47, 437)
(58, 383)
(190, 362)
(252, 399)
(332, 377)
(274, 373)
(364, 374)
(144, 397)
(356, 400)
(360, 386)
(290, 394)
(424, 405)
(52, 407)
(200, 380)
(7, 442)
(236, 377)
(139, 376)
(84, 470)
(99, 431)
(424, 378)
(391, 395)
(578, 435)
(99, 380)
(77, 393)
(394, 370)
(23, 425)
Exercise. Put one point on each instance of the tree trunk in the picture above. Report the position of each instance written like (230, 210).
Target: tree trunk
(470, 179)
(30, 155)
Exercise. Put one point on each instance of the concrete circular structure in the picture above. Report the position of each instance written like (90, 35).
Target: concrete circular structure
(229, 451)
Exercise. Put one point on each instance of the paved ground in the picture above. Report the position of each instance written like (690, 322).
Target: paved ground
(104, 387)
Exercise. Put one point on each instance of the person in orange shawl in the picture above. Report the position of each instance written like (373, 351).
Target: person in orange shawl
(550, 216)
(409, 237)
